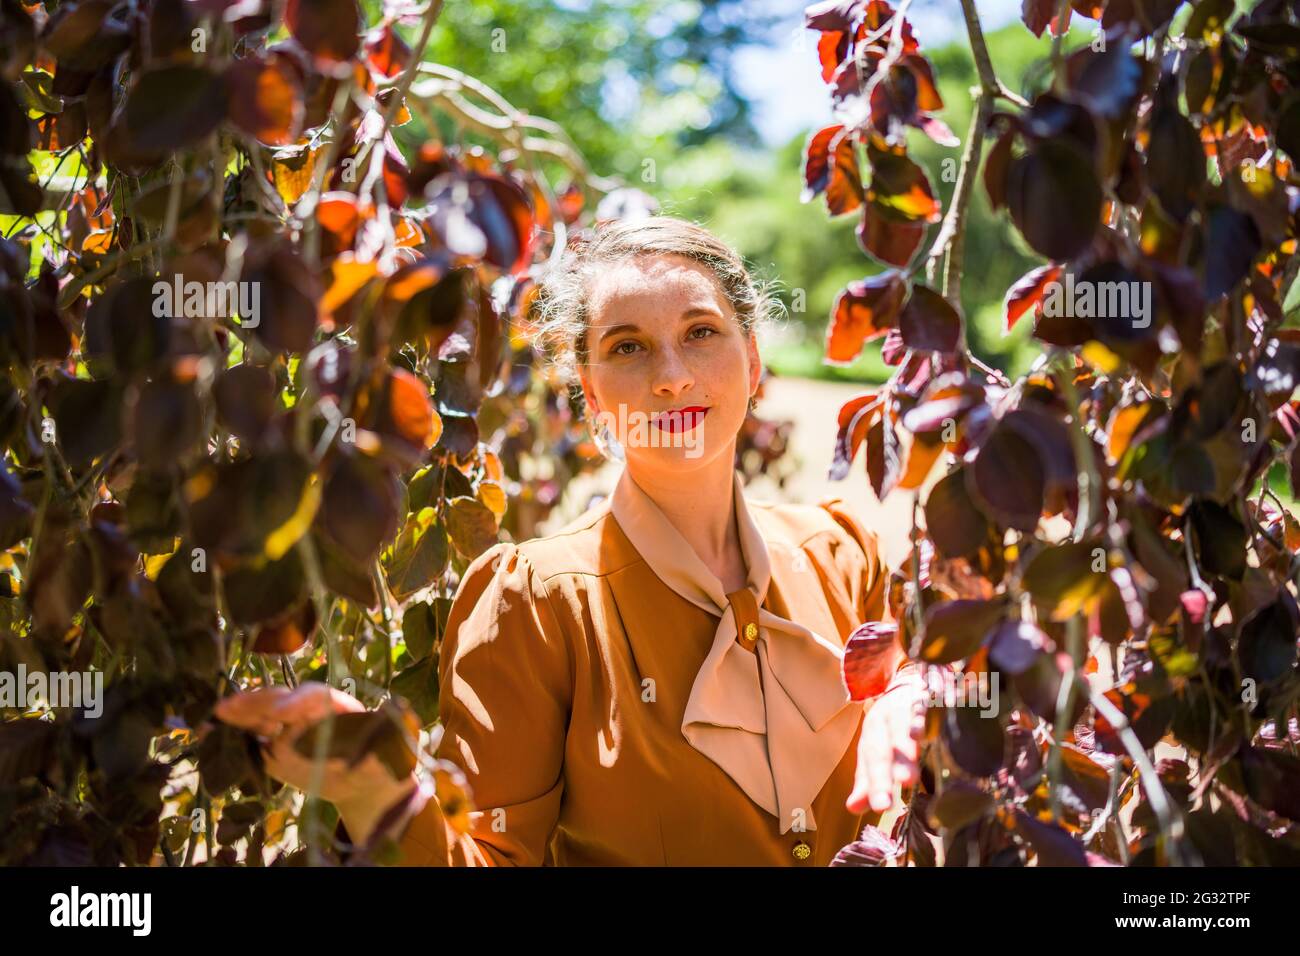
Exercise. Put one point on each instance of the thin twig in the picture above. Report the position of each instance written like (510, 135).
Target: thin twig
(1090, 485)
(979, 50)
(1171, 825)
(320, 179)
(431, 14)
(950, 241)
(1058, 38)
(446, 87)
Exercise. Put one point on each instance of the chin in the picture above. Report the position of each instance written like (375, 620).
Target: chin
(677, 459)
(688, 456)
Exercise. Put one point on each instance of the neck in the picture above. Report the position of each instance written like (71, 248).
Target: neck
(700, 504)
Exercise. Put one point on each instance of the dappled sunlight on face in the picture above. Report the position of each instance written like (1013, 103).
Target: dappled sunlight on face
(669, 368)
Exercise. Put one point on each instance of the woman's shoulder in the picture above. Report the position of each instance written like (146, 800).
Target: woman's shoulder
(587, 545)
(831, 535)
(592, 545)
(795, 524)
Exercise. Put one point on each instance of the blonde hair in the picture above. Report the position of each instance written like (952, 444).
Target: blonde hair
(560, 314)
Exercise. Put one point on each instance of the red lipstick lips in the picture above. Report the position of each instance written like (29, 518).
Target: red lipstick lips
(681, 419)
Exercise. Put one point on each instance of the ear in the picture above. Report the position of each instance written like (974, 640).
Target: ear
(755, 364)
(588, 393)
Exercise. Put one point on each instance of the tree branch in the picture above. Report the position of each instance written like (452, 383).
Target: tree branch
(1171, 825)
(431, 14)
(447, 87)
(951, 240)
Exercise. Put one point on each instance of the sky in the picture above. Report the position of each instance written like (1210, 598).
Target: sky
(782, 79)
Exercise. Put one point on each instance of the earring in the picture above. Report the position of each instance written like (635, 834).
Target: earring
(606, 442)
(753, 403)
(611, 443)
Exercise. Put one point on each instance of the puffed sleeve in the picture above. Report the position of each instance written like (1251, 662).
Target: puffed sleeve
(506, 689)
(875, 592)
(872, 602)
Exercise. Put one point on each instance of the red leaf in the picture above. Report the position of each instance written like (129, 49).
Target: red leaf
(856, 416)
(868, 659)
(266, 99)
(864, 310)
(172, 107)
(386, 52)
(995, 171)
(901, 188)
(889, 241)
(831, 166)
(954, 630)
(929, 322)
(1055, 198)
(1036, 14)
(1027, 293)
(328, 29)
(844, 192)
(1052, 843)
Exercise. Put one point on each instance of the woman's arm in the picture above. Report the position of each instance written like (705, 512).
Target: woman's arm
(506, 688)
(506, 692)
(416, 824)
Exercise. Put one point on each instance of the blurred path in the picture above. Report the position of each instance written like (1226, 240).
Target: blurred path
(814, 408)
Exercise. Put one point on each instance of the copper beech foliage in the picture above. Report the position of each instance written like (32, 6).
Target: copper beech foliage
(210, 499)
(1104, 503)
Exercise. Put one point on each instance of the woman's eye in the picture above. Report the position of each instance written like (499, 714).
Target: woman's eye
(702, 328)
(619, 349)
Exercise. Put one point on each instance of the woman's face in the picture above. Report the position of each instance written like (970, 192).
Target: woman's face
(669, 369)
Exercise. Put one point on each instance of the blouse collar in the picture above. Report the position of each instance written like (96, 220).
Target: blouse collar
(772, 711)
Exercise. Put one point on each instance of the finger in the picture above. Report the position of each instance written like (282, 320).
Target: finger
(272, 760)
(917, 706)
(250, 709)
(903, 726)
(334, 777)
(872, 774)
(857, 801)
(878, 767)
(917, 728)
(281, 757)
(313, 701)
(906, 747)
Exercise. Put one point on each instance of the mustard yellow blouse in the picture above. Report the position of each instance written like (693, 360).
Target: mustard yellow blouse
(564, 676)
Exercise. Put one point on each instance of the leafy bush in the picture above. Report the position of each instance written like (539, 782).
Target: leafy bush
(267, 392)
(1095, 553)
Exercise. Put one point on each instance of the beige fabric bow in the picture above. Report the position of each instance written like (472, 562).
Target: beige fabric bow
(779, 719)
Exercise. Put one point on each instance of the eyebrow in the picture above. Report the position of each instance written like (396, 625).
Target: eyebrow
(688, 314)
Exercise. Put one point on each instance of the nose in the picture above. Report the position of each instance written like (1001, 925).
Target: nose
(673, 375)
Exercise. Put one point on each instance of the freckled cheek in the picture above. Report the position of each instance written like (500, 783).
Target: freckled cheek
(714, 365)
(615, 387)
(725, 376)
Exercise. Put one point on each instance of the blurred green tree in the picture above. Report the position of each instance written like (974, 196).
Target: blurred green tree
(629, 81)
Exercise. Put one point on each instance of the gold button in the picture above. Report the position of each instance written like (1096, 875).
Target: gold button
(751, 632)
(802, 851)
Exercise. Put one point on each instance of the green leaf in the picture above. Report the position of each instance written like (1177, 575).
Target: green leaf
(418, 685)
(472, 525)
(418, 556)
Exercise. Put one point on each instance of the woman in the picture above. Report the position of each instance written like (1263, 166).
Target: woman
(659, 682)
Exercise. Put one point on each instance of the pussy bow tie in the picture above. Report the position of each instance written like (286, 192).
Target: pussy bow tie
(773, 712)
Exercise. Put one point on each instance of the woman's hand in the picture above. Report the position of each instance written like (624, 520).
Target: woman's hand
(279, 715)
(889, 746)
